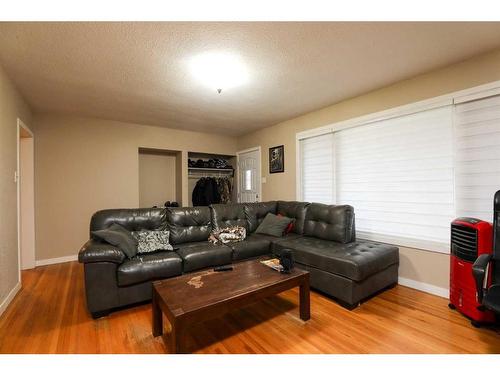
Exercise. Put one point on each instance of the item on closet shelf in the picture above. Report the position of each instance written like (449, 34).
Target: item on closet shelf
(222, 164)
(200, 164)
(227, 235)
(214, 163)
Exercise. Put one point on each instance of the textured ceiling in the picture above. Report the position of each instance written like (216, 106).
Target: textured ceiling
(138, 72)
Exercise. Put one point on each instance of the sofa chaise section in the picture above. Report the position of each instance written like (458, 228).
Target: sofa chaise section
(340, 267)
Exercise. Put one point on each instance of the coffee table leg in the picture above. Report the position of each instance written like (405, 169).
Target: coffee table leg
(157, 317)
(305, 308)
(176, 337)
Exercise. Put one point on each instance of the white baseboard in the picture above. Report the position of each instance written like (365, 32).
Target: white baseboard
(9, 298)
(424, 287)
(46, 262)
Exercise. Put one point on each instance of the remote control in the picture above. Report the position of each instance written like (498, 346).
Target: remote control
(223, 268)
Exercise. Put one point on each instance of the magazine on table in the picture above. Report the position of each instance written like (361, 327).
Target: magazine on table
(273, 263)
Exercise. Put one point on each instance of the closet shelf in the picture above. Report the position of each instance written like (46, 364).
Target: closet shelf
(195, 172)
(211, 169)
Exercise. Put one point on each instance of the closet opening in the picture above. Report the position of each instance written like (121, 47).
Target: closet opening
(211, 179)
(160, 181)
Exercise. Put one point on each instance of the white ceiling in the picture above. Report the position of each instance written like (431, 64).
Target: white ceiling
(138, 72)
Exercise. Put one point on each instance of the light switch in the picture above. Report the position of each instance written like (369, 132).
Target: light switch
(264, 180)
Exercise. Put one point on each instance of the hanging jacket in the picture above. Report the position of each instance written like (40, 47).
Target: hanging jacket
(206, 192)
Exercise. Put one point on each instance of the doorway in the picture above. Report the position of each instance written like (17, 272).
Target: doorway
(249, 175)
(25, 177)
(158, 177)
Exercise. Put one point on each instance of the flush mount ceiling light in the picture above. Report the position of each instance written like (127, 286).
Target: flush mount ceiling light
(219, 71)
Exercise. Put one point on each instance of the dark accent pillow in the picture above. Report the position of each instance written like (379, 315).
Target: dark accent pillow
(274, 225)
(117, 235)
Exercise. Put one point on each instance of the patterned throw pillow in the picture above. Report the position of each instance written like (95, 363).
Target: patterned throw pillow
(149, 241)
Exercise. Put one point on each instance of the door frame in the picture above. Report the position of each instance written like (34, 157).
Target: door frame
(21, 124)
(259, 185)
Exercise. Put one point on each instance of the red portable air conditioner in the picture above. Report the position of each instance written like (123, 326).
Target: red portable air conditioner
(469, 239)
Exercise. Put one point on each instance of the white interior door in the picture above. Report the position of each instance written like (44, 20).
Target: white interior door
(249, 188)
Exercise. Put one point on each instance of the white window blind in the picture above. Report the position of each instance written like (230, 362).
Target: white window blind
(477, 147)
(317, 169)
(398, 175)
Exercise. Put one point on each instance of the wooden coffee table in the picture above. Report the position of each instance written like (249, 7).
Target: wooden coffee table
(204, 295)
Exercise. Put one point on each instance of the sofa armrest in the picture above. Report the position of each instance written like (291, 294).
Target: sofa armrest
(479, 269)
(95, 251)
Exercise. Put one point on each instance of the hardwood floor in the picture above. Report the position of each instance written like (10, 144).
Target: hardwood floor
(49, 316)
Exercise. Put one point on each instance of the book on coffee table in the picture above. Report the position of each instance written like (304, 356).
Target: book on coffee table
(273, 263)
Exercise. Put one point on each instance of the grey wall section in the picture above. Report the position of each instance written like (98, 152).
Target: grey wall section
(12, 107)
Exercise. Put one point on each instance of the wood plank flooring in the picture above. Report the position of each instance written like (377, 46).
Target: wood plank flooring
(49, 316)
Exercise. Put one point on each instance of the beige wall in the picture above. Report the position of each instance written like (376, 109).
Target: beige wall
(12, 107)
(157, 178)
(417, 265)
(84, 165)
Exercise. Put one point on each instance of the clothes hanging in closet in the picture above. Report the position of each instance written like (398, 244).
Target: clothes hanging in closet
(210, 190)
(225, 189)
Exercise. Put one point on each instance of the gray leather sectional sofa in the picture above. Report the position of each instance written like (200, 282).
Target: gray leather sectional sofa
(323, 242)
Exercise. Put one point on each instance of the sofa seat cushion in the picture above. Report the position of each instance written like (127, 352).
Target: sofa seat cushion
(203, 256)
(149, 267)
(190, 244)
(355, 260)
(272, 239)
(253, 246)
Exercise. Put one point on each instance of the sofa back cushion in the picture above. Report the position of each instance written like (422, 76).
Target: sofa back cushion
(330, 222)
(256, 212)
(228, 215)
(295, 210)
(188, 224)
(132, 219)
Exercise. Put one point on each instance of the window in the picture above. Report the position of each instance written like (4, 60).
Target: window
(317, 169)
(477, 145)
(398, 175)
(248, 179)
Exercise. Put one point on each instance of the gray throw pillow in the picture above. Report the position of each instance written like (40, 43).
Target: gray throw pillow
(274, 225)
(117, 235)
(149, 241)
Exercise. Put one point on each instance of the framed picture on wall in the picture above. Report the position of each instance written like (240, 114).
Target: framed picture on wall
(277, 159)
